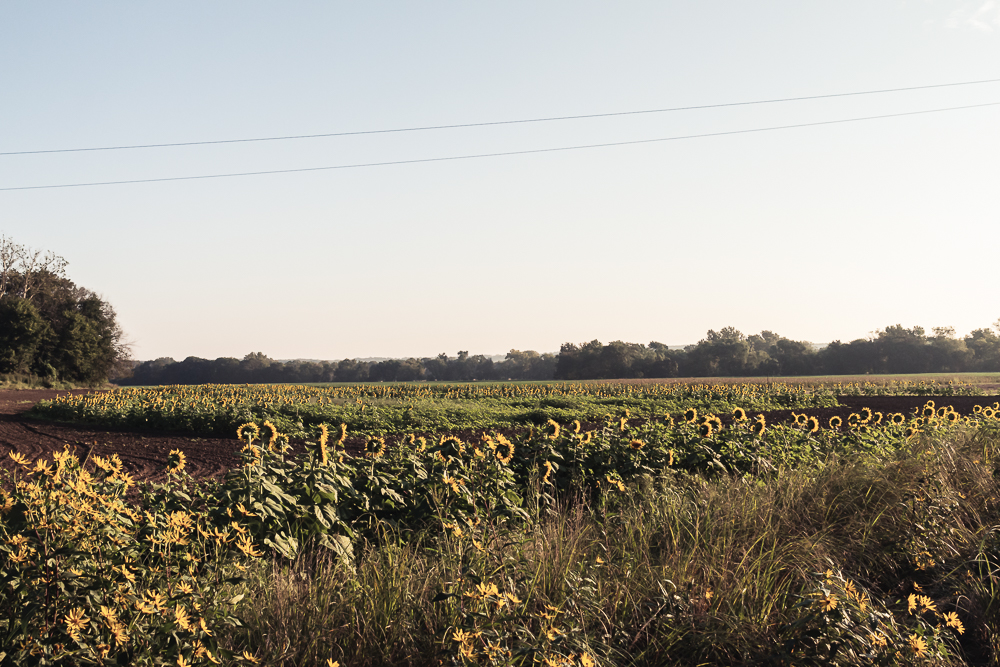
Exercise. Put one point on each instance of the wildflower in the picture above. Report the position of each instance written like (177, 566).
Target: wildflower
(586, 661)
(249, 658)
(181, 662)
(76, 621)
(461, 636)
(828, 602)
(18, 458)
(918, 645)
(952, 621)
(246, 545)
(926, 603)
(331, 663)
(181, 618)
(911, 603)
(878, 639)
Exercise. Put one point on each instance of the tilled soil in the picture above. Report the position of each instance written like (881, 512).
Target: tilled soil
(144, 453)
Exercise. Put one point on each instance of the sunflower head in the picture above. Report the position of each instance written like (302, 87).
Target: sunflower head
(691, 415)
(248, 432)
(865, 415)
(897, 418)
(705, 429)
(176, 461)
(739, 414)
(812, 424)
(836, 422)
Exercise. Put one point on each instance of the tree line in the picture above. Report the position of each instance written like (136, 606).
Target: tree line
(258, 368)
(50, 328)
(730, 353)
(724, 353)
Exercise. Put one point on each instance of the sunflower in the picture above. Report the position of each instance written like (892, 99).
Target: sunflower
(249, 430)
(636, 444)
(942, 412)
(877, 418)
(897, 418)
(812, 424)
(953, 417)
(504, 450)
(374, 448)
(705, 429)
(691, 415)
(853, 419)
(758, 428)
(928, 410)
(555, 429)
(910, 432)
(836, 422)
(977, 409)
(176, 461)
(739, 414)
(800, 420)
(272, 429)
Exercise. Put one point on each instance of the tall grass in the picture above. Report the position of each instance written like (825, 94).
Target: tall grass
(678, 570)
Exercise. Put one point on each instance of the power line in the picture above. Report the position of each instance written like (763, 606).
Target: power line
(498, 122)
(501, 154)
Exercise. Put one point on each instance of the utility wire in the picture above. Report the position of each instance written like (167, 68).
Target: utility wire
(498, 122)
(501, 154)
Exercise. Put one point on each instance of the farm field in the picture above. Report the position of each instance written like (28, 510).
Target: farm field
(576, 524)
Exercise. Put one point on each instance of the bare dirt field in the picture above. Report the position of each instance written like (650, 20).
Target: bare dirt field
(144, 453)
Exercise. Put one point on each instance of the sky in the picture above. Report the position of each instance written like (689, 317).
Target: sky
(817, 233)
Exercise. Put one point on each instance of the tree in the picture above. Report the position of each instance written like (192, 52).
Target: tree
(50, 327)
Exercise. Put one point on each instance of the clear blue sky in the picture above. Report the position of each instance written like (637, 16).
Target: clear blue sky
(817, 233)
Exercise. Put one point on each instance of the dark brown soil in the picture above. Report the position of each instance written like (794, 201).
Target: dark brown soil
(144, 453)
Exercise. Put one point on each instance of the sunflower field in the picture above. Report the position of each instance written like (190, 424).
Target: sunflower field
(400, 408)
(696, 536)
